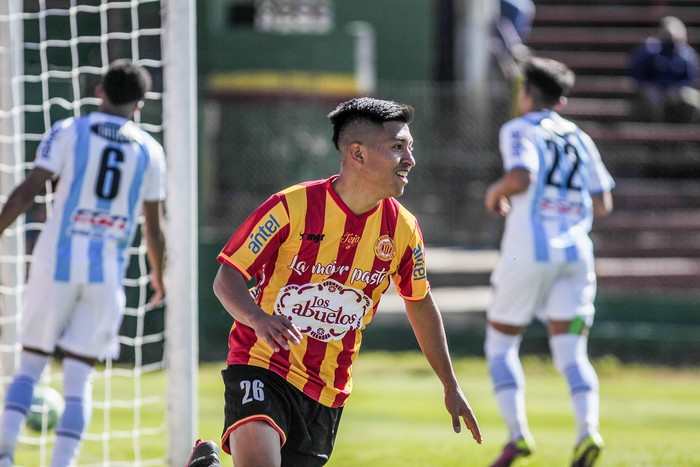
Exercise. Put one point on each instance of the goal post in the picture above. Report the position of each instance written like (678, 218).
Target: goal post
(11, 173)
(180, 119)
(52, 53)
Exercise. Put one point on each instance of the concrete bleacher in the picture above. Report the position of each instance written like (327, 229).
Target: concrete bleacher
(656, 223)
(648, 250)
(659, 327)
(594, 38)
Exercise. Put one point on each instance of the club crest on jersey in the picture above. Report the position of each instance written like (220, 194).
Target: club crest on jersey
(325, 311)
(384, 248)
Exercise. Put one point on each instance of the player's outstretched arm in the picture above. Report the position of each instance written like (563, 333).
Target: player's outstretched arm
(232, 291)
(429, 330)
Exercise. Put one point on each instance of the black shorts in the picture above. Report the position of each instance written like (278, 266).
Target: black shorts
(307, 428)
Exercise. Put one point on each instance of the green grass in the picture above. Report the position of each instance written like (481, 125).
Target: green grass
(650, 416)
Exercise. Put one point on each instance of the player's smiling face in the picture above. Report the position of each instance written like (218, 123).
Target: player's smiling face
(390, 159)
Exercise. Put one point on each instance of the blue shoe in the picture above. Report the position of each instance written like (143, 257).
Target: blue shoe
(587, 451)
(204, 454)
(513, 451)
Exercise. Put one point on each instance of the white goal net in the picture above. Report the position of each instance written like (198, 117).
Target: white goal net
(52, 54)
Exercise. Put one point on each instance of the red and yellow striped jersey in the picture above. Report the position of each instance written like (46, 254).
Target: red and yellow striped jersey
(325, 268)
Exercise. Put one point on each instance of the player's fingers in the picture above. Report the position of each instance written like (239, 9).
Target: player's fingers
(272, 339)
(281, 336)
(294, 333)
(456, 424)
(473, 427)
(156, 299)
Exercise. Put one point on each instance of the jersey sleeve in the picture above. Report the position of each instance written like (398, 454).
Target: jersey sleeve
(599, 180)
(52, 151)
(154, 183)
(517, 146)
(259, 237)
(411, 278)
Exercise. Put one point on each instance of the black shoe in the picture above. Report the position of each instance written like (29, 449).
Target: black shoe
(204, 454)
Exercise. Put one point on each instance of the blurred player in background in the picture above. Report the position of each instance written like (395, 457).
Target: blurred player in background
(109, 171)
(321, 254)
(554, 184)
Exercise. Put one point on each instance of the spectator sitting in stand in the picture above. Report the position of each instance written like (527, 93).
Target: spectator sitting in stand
(666, 70)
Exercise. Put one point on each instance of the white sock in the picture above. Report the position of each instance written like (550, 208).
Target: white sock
(19, 398)
(77, 392)
(508, 380)
(569, 352)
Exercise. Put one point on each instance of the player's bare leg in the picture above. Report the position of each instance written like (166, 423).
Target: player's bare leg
(256, 444)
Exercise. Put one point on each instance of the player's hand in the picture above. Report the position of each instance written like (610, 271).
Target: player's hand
(496, 203)
(277, 331)
(158, 291)
(458, 406)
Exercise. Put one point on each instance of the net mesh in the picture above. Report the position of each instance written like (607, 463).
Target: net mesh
(57, 51)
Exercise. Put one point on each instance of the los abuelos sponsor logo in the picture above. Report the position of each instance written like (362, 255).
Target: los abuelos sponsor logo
(325, 311)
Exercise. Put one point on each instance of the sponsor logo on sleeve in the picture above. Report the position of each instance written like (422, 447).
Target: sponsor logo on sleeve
(419, 271)
(260, 236)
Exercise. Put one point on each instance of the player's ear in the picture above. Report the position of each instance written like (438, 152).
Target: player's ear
(356, 152)
(561, 104)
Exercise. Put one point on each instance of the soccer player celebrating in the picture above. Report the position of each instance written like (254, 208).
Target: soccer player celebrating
(554, 183)
(109, 171)
(321, 254)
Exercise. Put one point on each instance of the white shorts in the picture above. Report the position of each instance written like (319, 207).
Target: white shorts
(525, 290)
(83, 319)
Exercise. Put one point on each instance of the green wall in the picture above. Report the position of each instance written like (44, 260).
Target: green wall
(404, 33)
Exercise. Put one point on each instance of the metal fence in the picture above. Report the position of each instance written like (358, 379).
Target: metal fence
(254, 147)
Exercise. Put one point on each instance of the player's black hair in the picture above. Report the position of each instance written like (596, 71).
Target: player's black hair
(125, 82)
(548, 80)
(367, 108)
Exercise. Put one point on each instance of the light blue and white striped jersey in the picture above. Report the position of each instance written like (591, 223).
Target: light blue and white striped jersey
(553, 217)
(106, 168)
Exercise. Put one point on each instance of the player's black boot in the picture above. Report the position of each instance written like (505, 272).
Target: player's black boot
(204, 454)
